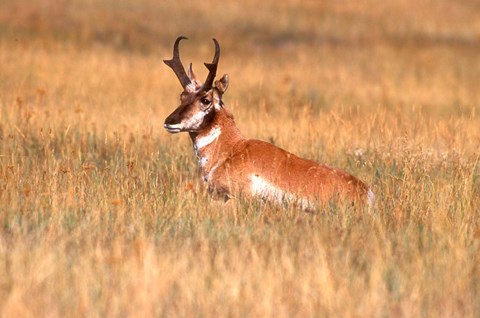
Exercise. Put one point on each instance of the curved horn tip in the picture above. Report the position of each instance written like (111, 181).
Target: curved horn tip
(177, 41)
(217, 45)
(176, 64)
(217, 52)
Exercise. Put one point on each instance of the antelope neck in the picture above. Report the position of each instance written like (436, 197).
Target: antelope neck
(222, 127)
(214, 143)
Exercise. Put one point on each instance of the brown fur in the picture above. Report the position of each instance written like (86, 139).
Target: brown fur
(231, 163)
(239, 157)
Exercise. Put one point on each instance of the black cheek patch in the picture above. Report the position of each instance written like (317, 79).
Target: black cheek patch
(209, 117)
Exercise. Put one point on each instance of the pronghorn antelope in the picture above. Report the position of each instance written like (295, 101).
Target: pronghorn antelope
(231, 164)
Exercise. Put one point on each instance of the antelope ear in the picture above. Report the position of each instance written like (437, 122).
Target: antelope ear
(190, 73)
(222, 84)
(193, 78)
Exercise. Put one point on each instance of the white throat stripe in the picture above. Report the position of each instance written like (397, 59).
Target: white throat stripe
(206, 140)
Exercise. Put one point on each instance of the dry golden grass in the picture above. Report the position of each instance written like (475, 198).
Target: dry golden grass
(101, 213)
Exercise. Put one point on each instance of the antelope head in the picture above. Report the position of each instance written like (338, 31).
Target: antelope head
(198, 101)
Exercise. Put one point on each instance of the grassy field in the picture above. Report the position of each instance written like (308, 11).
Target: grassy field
(102, 212)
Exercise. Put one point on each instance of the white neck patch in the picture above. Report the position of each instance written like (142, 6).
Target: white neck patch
(206, 140)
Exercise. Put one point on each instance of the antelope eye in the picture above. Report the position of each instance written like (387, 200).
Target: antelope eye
(205, 101)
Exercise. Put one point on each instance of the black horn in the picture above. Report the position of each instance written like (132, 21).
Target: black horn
(212, 68)
(176, 65)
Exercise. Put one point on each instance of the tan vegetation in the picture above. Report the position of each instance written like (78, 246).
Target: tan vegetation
(101, 211)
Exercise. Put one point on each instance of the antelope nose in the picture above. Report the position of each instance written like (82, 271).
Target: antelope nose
(169, 121)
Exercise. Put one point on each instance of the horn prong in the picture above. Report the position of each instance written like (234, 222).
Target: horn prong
(212, 67)
(176, 64)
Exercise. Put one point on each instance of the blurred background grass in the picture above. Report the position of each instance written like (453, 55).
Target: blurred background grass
(424, 53)
(100, 210)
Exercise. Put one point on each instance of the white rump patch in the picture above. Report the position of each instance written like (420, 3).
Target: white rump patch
(267, 191)
(264, 189)
(206, 140)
